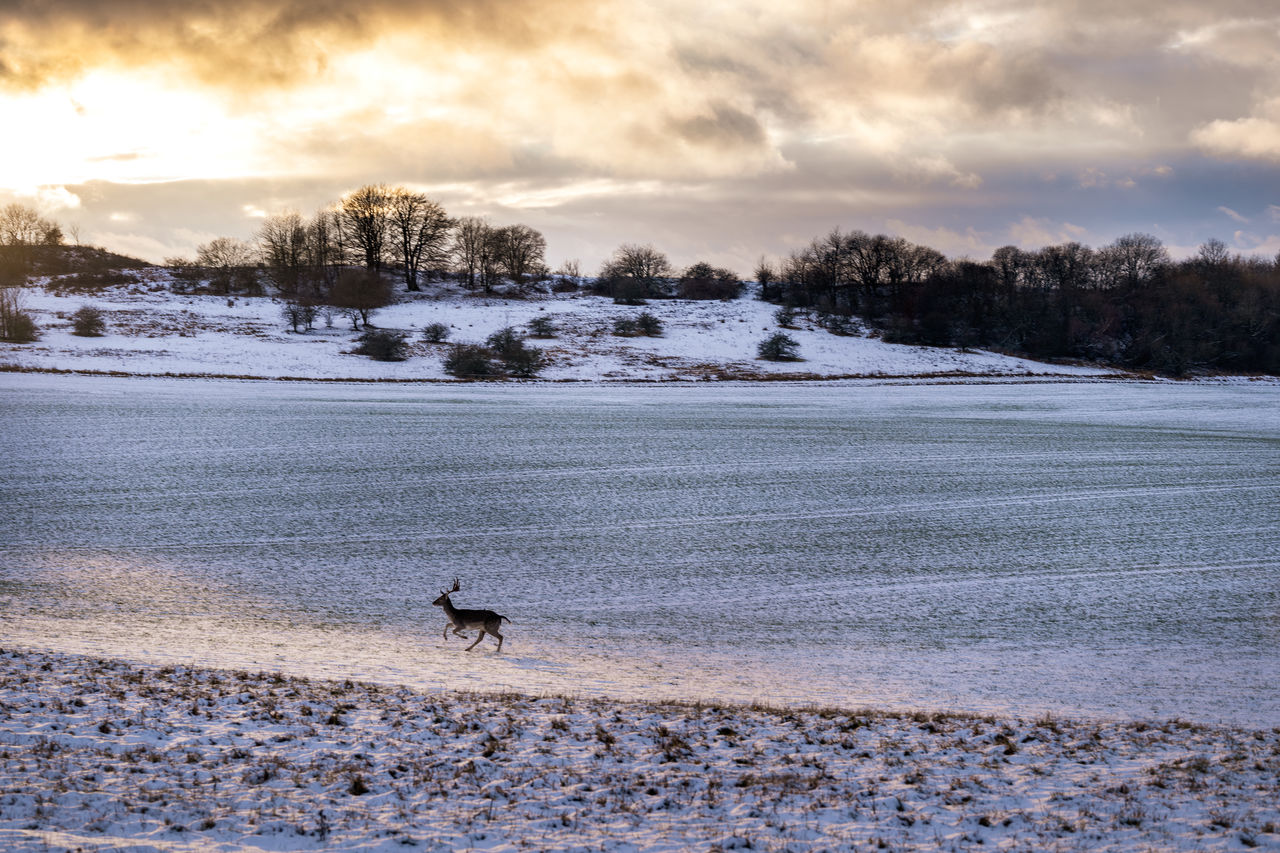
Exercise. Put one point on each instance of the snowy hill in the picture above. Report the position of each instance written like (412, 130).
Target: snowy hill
(150, 330)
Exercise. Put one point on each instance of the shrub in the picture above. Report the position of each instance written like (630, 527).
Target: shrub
(435, 333)
(542, 327)
(839, 324)
(95, 280)
(703, 281)
(88, 322)
(508, 345)
(524, 361)
(785, 317)
(20, 328)
(779, 347)
(504, 340)
(16, 325)
(625, 326)
(383, 345)
(471, 361)
(649, 325)
(299, 314)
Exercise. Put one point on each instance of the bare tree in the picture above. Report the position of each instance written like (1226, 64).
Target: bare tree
(520, 250)
(282, 241)
(1134, 259)
(21, 225)
(230, 261)
(326, 250)
(359, 293)
(419, 232)
(470, 247)
(634, 272)
(366, 216)
(1213, 253)
(16, 324)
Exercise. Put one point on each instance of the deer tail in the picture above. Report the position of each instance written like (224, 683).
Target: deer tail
(503, 618)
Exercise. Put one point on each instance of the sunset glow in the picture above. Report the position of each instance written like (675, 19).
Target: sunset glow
(725, 133)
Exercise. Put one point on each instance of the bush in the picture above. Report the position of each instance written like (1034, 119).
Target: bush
(524, 362)
(95, 280)
(649, 325)
(839, 324)
(542, 327)
(505, 340)
(471, 361)
(785, 317)
(20, 328)
(383, 345)
(435, 333)
(508, 345)
(779, 347)
(16, 325)
(298, 314)
(625, 326)
(88, 322)
(703, 281)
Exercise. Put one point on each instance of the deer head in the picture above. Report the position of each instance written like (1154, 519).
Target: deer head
(444, 596)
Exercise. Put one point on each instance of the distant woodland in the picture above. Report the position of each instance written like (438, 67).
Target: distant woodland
(1126, 304)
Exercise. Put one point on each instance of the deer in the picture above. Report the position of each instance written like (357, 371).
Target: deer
(486, 621)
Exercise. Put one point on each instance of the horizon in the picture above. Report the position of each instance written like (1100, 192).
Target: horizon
(720, 134)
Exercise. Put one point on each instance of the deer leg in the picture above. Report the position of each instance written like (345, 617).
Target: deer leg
(457, 629)
(499, 636)
(477, 642)
(447, 626)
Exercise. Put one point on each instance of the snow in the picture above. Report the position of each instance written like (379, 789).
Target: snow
(102, 755)
(1097, 558)
(152, 331)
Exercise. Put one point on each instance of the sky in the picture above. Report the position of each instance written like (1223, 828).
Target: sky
(718, 131)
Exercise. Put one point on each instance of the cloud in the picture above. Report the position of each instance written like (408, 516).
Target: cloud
(236, 43)
(1222, 208)
(1032, 232)
(966, 243)
(762, 122)
(1254, 137)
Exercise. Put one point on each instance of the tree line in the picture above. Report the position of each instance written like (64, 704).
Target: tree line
(1127, 303)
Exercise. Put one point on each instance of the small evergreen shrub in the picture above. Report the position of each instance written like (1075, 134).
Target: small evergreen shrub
(518, 360)
(648, 325)
(542, 327)
(471, 361)
(779, 347)
(435, 333)
(625, 326)
(785, 317)
(504, 340)
(88, 322)
(383, 345)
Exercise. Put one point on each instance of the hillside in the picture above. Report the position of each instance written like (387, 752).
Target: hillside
(151, 330)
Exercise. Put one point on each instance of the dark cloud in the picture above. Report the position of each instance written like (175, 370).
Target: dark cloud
(237, 43)
(723, 127)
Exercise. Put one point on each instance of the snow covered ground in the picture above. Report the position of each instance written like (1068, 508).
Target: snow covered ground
(98, 755)
(151, 330)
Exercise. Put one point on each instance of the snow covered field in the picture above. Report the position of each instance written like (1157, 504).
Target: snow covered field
(1062, 594)
(1093, 550)
(98, 755)
(153, 331)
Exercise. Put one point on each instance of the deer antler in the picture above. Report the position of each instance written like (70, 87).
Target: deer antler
(456, 586)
